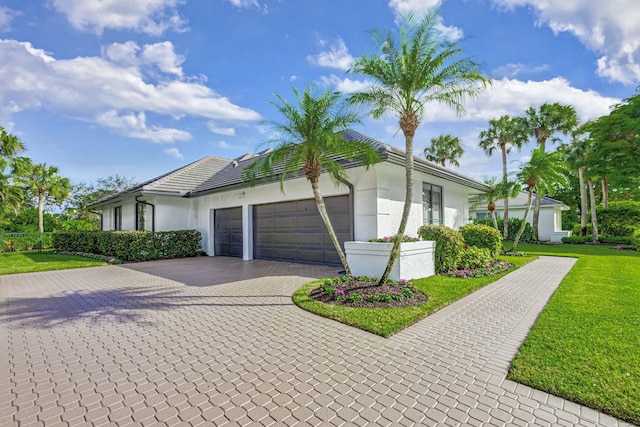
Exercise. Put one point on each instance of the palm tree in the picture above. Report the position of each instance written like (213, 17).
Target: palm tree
(444, 148)
(11, 195)
(310, 141)
(419, 67)
(543, 173)
(542, 124)
(45, 182)
(503, 134)
(497, 190)
(577, 154)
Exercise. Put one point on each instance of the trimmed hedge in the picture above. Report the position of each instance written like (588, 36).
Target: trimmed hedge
(636, 240)
(449, 246)
(131, 245)
(474, 257)
(620, 219)
(609, 240)
(482, 236)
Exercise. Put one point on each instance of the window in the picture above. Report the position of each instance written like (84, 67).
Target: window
(140, 216)
(117, 215)
(481, 215)
(431, 204)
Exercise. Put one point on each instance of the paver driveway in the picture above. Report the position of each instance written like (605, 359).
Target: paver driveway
(214, 341)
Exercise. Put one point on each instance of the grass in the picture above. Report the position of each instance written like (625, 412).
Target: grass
(441, 290)
(585, 346)
(28, 262)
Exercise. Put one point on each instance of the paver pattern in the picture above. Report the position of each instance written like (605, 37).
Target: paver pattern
(217, 341)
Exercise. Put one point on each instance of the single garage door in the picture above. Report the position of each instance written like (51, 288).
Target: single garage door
(294, 231)
(228, 232)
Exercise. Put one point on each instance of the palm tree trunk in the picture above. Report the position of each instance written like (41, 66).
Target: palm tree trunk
(539, 196)
(583, 203)
(495, 221)
(408, 198)
(524, 221)
(40, 210)
(322, 210)
(605, 193)
(594, 219)
(505, 224)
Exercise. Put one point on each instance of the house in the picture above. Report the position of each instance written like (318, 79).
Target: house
(236, 219)
(549, 223)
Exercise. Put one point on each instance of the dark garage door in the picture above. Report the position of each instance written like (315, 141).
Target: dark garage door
(294, 231)
(228, 232)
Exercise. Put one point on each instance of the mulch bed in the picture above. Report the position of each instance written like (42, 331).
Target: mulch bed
(366, 288)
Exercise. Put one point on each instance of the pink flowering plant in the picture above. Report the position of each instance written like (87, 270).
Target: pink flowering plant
(363, 289)
(496, 267)
(391, 239)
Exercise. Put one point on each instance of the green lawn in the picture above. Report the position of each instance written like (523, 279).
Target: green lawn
(585, 346)
(27, 262)
(441, 290)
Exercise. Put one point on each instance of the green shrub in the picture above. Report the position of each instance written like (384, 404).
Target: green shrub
(576, 240)
(449, 246)
(577, 229)
(620, 219)
(474, 257)
(482, 236)
(514, 226)
(131, 245)
(636, 240)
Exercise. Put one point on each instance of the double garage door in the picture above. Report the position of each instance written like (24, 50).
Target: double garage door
(286, 231)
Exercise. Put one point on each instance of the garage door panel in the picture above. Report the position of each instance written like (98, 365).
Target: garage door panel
(294, 231)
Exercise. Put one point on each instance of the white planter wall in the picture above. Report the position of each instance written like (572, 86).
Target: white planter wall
(371, 258)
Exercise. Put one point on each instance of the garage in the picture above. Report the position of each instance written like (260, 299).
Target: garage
(228, 232)
(294, 231)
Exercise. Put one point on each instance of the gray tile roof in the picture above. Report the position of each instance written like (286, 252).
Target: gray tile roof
(215, 174)
(175, 183)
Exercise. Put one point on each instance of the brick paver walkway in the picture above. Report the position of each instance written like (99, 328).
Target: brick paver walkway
(217, 341)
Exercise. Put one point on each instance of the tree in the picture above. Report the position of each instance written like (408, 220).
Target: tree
(46, 183)
(11, 195)
(417, 68)
(444, 148)
(543, 173)
(504, 134)
(616, 147)
(577, 155)
(310, 141)
(543, 123)
(497, 190)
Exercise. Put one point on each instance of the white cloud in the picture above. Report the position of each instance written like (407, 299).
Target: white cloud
(513, 70)
(337, 56)
(418, 7)
(513, 97)
(221, 130)
(609, 28)
(245, 4)
(345, 85)
(224, 145)
(115, 90)
(152, 17)
(6, 17)
(173, 152)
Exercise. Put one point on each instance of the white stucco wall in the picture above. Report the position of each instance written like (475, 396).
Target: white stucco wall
(550, 219)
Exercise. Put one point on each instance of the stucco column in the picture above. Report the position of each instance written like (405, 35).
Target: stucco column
(247, 231)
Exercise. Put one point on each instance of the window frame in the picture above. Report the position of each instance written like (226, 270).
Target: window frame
(117, 218)
(141, 216)
(427, 213)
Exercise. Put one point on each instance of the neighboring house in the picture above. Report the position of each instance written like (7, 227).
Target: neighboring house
(236, 219)
(550, 214)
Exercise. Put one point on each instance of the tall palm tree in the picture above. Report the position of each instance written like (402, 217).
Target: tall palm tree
(503, 134)
(576, 155)
(543, 173)
(444, 148)
(309, 140)
(418, 68)
(47, 184)
(543, 123)
(497, 190)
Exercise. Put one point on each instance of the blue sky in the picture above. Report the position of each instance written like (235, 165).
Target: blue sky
(141, 87)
